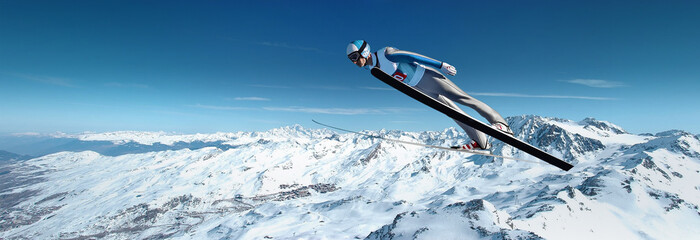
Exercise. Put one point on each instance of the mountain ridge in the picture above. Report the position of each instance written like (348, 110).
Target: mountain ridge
(293, 182)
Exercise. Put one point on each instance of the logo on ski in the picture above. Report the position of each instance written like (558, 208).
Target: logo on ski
(399, 75)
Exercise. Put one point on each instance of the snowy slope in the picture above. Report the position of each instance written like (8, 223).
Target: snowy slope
(297, 183)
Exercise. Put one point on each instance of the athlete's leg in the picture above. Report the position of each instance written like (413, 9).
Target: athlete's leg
(437, 83)
(475, 135)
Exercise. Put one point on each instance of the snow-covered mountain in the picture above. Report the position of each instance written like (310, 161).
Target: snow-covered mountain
(298, 183)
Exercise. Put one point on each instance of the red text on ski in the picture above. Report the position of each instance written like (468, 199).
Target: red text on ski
(399, 75)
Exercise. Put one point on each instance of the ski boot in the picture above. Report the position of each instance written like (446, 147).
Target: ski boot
(502, 127)
(473, 146)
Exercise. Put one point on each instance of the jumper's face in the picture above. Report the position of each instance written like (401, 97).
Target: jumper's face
(356, 58)
(360, 62)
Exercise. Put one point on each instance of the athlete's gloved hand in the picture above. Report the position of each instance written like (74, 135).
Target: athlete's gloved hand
(448, 69)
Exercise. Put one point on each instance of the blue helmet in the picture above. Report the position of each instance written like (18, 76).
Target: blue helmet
(357, 47)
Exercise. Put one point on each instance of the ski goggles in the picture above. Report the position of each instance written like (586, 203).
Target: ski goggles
(356, 55)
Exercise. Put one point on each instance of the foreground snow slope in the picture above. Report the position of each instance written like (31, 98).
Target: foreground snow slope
(317, 184)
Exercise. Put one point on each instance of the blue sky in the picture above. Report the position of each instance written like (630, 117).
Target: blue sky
(210, 66)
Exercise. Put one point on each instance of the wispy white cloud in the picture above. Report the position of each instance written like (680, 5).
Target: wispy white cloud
(269, 86)
(219, 107)
(404, 122)
(327, 87)
(379, 88)
(341, 111)
(63, 82)
(27, 134)
(333, 111)
(251, 99)
(125, 85)
(175, 113)
(540, 96)
(596, 83)
(335, 88)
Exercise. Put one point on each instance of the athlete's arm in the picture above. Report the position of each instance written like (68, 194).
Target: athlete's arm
(396, 55)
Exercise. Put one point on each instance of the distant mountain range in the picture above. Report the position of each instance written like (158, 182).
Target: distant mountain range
(8, 156)
(299, 183)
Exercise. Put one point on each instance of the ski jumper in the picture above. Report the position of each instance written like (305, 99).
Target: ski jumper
(419, 72)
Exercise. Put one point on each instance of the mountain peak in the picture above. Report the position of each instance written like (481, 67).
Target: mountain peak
(597, 125)
(671, 133)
